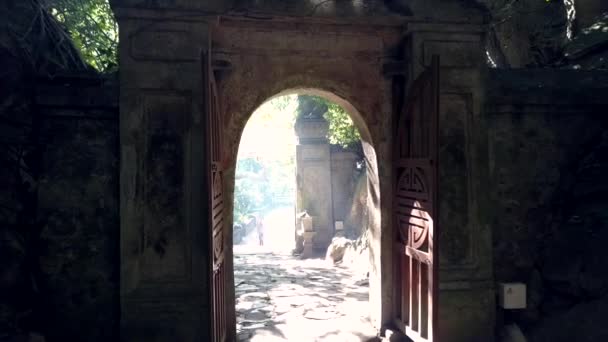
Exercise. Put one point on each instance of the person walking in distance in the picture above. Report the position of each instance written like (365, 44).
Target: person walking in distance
(259, 225)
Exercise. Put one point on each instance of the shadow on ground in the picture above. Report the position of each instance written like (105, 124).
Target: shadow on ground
(282, 298)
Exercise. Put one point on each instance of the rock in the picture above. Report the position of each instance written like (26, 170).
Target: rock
(321, 314)
(391, 335)
(36, 338)
(585, 322)
(525, 33)
(512, 333)
(535, 291)
(356, 256)
(362, 282)
(23, 337)
(337, 248)
(588, 49)
(12, 263)
(299, 246)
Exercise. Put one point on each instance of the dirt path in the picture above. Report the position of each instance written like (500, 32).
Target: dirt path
(282, 298)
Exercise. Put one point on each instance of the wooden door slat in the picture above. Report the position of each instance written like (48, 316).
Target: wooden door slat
(216, 224)
(415, 208)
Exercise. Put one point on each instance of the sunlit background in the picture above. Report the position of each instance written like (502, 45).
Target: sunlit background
(265, 178)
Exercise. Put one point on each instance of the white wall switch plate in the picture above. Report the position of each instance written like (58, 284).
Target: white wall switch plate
(512, 295)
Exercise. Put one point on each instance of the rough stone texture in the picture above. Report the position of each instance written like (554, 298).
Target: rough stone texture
(525, 33)
(358, 215)
(325, 179)
(259, 55)
(548, 157)
(337, 248)
(314, 177)
(356, 255)
(587, 12)
(451, 11)
(585, 322)
(460, 96)
(344, 181)
(78, 209)
(533, 147)
(58, 243)
(318, 66)
(531, 33)
(545, 151)
(575, 285)
(165, 253)
(589, 48)
(60, 271)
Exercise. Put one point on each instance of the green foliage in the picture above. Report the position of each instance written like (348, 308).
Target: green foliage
(257, 186)
(247, 194)
(93, 29)
(342, 130)
(265, 172)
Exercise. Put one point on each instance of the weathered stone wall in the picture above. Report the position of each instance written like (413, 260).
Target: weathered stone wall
(161, 149)
(548, 161)
(326, 181)
(316, 59)
(525, 33)
(466, 296)
(587, 13)
(164, 243)
(530, 33)
(260, 53)
(314, 177)
(343, 183)
(78, 210)
(355, 223)
(58, 185)
(63, 257)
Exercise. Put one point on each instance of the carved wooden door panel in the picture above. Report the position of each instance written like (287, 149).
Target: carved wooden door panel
(415, 207)
(215, 201)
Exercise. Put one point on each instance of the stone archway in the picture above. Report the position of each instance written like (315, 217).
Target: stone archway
(369, 59)
(350, 75)
(373, 181)
(365, 95)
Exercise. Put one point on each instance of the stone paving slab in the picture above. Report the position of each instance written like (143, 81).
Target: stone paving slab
(282, 298)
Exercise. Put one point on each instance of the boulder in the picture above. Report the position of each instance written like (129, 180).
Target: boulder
(585, 322)
(337, 248)
(512, 333)
(589, 48)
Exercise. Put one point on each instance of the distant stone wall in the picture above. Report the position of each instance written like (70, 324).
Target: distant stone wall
(344, 184)
(548, 164)
(357, 217)
(314, 178)
(326, 180)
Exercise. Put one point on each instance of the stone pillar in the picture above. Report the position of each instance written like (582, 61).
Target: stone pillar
(164, 254)
(466, 308)
(308, 234)
(313, 159)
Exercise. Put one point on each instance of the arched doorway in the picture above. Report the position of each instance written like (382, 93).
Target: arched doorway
(167, 259)
(340, 293)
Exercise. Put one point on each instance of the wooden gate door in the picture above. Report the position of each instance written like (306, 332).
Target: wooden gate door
(215, 201)
(415, 210)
